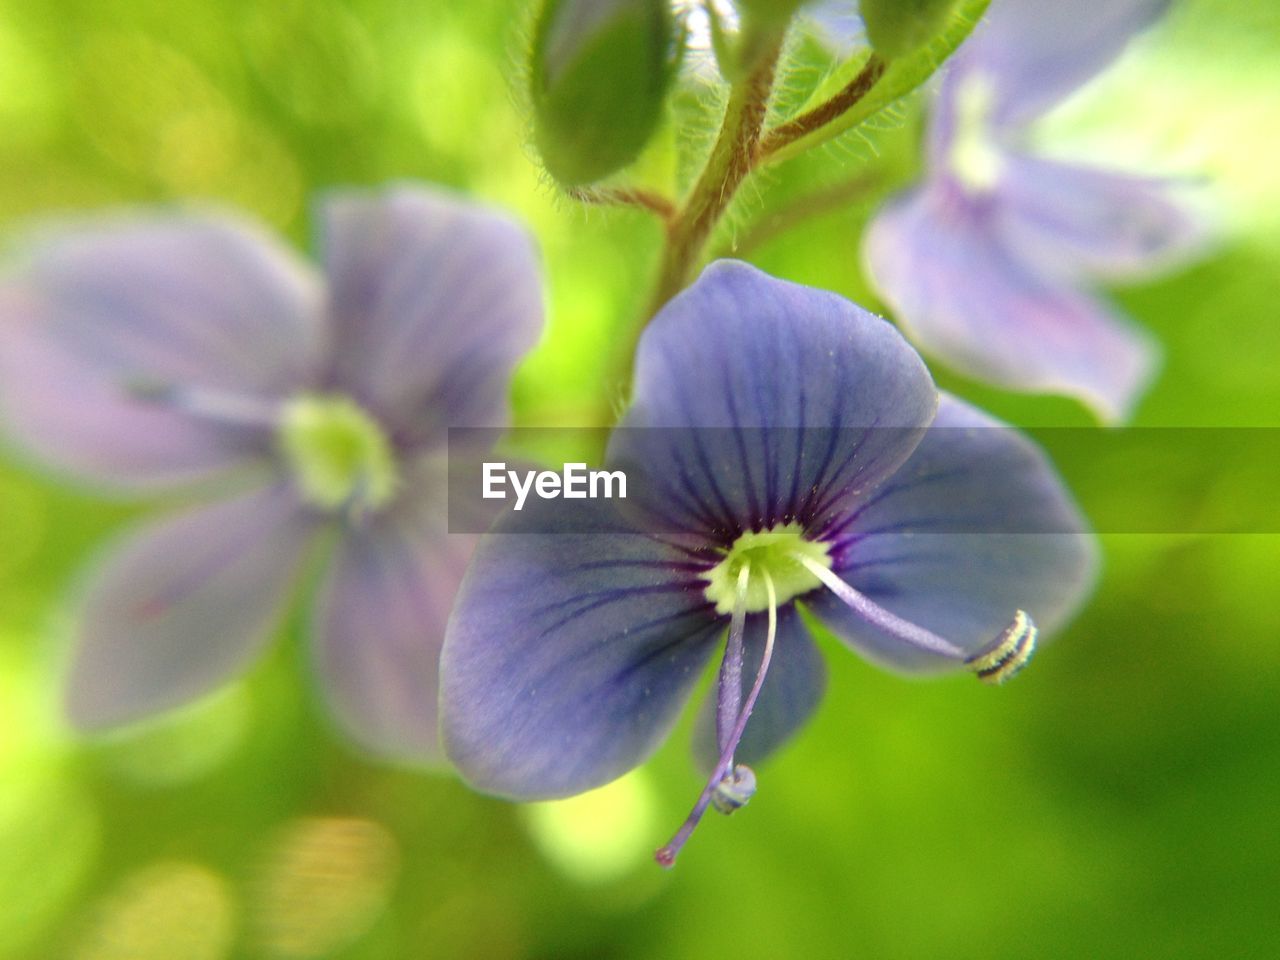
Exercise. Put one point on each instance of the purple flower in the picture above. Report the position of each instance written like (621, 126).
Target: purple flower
(782, 436)
(990, 263)
(159, 351)
(837, 24)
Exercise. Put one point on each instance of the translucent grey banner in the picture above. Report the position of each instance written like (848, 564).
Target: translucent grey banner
(670, 481)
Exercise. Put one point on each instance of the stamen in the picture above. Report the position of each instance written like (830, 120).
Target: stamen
(876, 615)
(997, 662)
(741, 784)
(205, 404)
(730, 693)
(1008, 653)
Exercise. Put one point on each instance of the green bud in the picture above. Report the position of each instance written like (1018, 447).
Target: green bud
(600, 72)
(899, 27)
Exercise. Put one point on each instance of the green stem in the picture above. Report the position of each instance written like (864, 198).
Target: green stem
(823, 114)
(732, 158)
(743, 145)
(831, 199)
(858, 101)
(660, 206)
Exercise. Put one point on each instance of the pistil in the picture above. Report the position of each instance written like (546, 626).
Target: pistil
(729, 791)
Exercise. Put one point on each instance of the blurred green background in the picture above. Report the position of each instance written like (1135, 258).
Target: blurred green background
(1122, 799)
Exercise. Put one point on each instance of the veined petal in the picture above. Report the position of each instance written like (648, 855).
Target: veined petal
(183, 605)
(568, 656)
(792, 690)
(435, 298)
(100, 317)
(203, 299)
(1036, 52)
(1077, 219)
(381, 621)
(765, 395)
(967, 298)
(975, 526)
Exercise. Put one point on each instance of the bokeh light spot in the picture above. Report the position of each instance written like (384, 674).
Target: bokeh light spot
(153, 112)
(599, 836)
(163, 912)
(322, 885)
(316, 58)
(49, 836)
(26, 93)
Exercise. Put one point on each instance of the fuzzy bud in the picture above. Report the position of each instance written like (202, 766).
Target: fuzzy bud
(599, 76)
(899, 27)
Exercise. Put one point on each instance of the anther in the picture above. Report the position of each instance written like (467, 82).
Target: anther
(723, 786)
(1008, 653)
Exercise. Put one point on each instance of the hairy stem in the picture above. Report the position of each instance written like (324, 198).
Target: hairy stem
(821, 202)
(663, 207)
(732, 158)
(821, 115)
(741, 147)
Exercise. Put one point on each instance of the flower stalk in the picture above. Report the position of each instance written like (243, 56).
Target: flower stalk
(732, 159)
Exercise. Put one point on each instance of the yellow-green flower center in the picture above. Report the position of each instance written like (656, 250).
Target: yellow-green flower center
(775, 551)
(340, 456)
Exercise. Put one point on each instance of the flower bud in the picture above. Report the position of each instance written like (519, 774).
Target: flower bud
(899, 27)
(600, 72)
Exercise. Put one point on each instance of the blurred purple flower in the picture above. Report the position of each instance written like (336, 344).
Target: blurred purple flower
(837, 24)
(989, 264)
(160, 350)
(834, 22)
(808, 475)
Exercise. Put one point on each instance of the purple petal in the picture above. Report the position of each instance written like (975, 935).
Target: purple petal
(838, 25)
(966, 297)
(793, 687)
(568, 656)
(435, 299)
(381, 623)
(1013, 540)
(186, 301)
(746, 359)
(1076, 219)
(1035, 52)
(183, 605)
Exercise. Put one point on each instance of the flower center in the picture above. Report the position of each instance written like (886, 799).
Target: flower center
(339, 454)
(762, 571)
(777, 552)
(974, 157)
